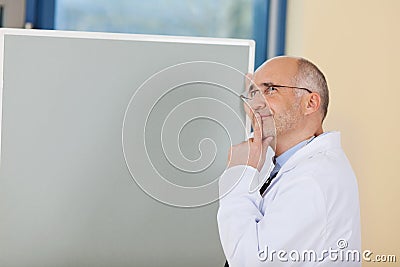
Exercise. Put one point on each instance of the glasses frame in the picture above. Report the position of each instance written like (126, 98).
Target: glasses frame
(268, 85)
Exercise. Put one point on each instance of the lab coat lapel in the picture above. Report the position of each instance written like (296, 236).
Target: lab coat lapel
(320, 144)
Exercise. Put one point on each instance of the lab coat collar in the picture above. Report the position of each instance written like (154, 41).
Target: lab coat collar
(321, 143)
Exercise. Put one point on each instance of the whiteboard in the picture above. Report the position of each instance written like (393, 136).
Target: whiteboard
(112, 145)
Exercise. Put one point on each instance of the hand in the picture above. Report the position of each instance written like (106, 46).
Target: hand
(251, 152)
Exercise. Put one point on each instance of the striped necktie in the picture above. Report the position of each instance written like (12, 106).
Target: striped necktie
(270, 178)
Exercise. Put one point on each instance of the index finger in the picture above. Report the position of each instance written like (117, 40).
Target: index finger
(257, 127)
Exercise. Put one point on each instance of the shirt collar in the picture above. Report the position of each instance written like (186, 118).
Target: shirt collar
(284, 157)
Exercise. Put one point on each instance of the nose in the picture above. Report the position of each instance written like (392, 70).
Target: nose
(258, 102)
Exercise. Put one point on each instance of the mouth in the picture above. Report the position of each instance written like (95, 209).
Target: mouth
(263, 117)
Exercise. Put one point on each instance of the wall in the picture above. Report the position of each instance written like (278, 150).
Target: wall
(356, 43)
(13, 12)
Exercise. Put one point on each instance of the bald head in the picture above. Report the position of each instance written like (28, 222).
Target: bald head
(297, 72)
(287, 66)
(292, 99)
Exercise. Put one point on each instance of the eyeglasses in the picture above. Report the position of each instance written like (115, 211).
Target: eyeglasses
(269, 89)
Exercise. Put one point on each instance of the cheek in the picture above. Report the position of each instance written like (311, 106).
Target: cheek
(273, 106)
(248, 110)
(280, 106)
(250, 113)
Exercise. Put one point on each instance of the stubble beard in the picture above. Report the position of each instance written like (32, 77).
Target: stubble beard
(288, 120)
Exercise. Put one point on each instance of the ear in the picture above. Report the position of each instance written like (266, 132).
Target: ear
(313, 103)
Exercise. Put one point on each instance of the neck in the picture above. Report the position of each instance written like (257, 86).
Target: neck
(289, 140)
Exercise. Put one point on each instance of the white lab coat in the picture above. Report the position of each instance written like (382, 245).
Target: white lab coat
(310, 205)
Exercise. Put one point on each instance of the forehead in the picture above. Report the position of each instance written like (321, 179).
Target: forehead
(277, 71)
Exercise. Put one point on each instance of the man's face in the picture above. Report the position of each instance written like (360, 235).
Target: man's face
(281, 109)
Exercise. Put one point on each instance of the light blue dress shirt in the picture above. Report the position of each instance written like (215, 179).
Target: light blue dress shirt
(285, 156)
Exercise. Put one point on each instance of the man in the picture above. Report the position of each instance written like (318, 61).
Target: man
(307, 213)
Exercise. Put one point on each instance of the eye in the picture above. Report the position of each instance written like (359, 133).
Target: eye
(252, 93)
(270, 89)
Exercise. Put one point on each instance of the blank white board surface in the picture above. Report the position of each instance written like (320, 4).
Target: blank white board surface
(112, 145)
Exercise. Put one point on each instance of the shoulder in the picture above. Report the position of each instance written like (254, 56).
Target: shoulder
(321, 165)
(323, 157)
(325, 173)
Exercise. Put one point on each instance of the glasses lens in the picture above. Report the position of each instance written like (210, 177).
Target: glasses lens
(244, 95)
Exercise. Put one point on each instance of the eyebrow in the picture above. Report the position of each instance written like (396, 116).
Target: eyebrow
(251, 87)
(267, 84)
